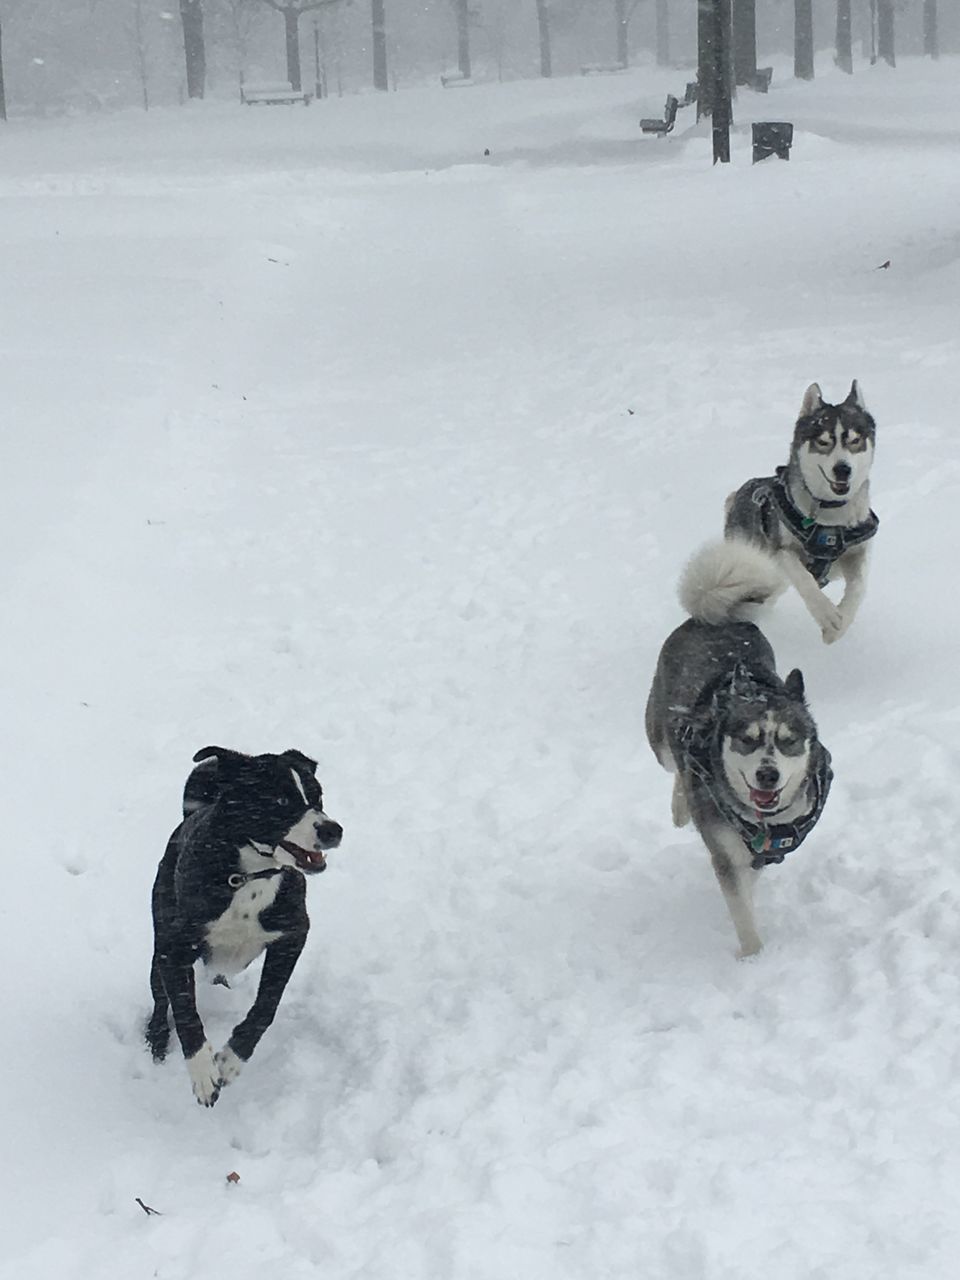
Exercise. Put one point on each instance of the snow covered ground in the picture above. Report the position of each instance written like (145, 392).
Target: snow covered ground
(324, 429)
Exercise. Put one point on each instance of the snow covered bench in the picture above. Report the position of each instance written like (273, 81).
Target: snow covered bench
(669, 118)
(455, 80)
(278, 93)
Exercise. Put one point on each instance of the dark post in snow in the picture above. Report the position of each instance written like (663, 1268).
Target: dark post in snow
(803, 39)
(3, 92)
(463, 37)
(378, 19)
(844, 37)
(543, 29)
(191, 15)
(704, 58)
(663, 33)
(744, 41)
(715, 72)
(931, 39)
(722, 75)
(886, 39)
(623, 28)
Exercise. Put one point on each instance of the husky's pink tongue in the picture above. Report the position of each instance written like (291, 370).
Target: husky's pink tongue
(763, 799)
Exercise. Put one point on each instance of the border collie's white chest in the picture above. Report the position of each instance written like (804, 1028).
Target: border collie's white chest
(236, 938)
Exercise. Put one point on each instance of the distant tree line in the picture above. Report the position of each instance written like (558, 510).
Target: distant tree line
(62, 55)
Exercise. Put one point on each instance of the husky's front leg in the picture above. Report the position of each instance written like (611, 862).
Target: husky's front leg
(731, 863)
(822, 609)
(679, 808)
(853, 568)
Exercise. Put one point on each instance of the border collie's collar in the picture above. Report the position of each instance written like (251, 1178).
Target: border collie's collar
(239, 878)
(822, 544)
(769, 843)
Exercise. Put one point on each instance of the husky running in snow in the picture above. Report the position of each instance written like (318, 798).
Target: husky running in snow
(749, 768)
(814, 514)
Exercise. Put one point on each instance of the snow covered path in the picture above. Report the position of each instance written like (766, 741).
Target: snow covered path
(322, 437)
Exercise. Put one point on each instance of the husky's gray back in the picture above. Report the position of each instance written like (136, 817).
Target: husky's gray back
(693, 657)
(721, 583)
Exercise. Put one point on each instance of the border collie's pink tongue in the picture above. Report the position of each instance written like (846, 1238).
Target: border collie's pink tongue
(764, 799)
(307, 859)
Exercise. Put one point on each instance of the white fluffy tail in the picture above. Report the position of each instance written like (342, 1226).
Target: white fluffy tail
(723, 579)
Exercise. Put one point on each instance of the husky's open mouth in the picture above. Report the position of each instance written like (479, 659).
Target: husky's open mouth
(840, 487)
(764, 801)
(311, 860)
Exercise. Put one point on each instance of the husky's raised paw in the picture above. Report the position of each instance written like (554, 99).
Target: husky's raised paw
(829, 619)
(679, 809)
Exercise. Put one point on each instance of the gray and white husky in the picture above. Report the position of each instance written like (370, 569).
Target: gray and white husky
(749, 768)
(814, 514)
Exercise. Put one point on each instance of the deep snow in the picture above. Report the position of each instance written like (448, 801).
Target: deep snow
(324, 430)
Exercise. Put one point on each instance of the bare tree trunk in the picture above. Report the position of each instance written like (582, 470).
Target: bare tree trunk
(543, 26)
(663, 33)
(141, 49)
(379, 22)
(722, 80)
(715, 72)
(844, 37)
(931, 38)
(191, 15)
(744, 41)
(623, 28)
(803, 39)
(886, 36)
(463, 37)
(705, 25)
(291, 23)
(3, 92)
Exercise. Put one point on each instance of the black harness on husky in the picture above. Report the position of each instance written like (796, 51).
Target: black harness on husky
(822, 544)
(769, 843)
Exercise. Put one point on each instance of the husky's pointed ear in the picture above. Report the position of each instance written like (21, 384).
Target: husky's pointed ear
(223, 754)
(794, 684)
(297, 757)
(812, 400)
(855, 398)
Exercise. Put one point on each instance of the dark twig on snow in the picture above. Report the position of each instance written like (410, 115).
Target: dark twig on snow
(146, 1208)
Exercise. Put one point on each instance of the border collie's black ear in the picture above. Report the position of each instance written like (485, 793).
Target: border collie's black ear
(297, 757)
(222, 753)
(794, 684)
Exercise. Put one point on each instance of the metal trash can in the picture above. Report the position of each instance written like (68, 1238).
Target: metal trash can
(772, 138)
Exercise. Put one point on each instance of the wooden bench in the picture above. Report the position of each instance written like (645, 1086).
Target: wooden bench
(663, 126)
(602, 68)
(456, 81)
(690, 94)
(761, 81)
(281, 93)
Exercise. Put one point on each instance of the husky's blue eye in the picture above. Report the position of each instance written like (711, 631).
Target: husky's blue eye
(283, 802)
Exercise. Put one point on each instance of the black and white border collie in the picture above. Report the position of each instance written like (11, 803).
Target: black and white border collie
(229, 887)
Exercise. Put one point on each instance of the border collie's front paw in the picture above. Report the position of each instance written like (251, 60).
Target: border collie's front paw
(205, 1075)
(228, 1064)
